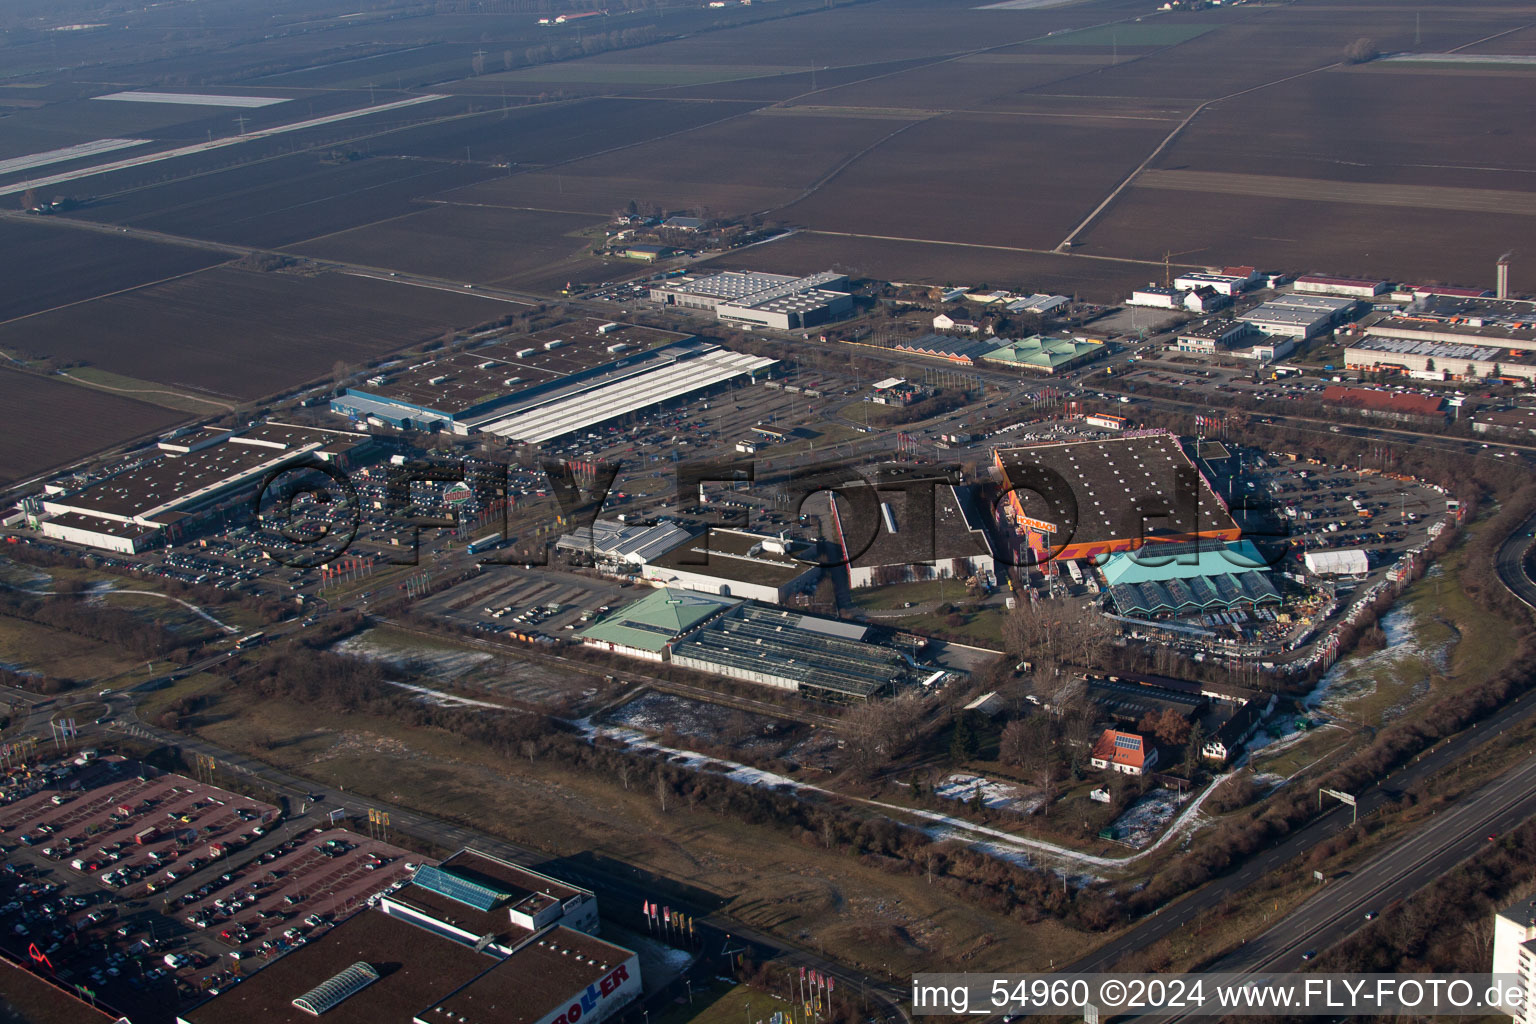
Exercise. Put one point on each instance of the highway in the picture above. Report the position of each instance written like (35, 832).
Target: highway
(1510, 562)
(1335, 819)
(1337, 910)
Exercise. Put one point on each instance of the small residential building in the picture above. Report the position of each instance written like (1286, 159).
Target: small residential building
(1206, 300)
(946, 322)
(1125, 752)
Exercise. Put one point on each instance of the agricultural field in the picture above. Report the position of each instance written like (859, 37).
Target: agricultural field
(50, 422)
(1389, 242)
(737, 166)
(482, 246)
(281, 201)
(240, 334)
(46, 265)
(550, 133)
(1366, 126)
(888, 259)
(1024, 182)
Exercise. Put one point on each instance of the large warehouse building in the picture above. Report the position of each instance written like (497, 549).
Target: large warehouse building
(1184, 580)
(826, 659)
(1439, 360)
(737, 563)
(542, 386)
(1082, 499)
(1462, 320)
(189, 477)
(1299, 316)
(462, 942)
(922, 528)
(752, 299)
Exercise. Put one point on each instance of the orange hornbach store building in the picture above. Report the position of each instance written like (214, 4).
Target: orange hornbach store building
(1078, 499)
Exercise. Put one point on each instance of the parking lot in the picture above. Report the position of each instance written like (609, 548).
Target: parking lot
(152, 888)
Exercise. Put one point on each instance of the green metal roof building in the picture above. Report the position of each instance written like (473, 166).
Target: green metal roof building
(1159, 563)
(1043, 355)
(647, 628)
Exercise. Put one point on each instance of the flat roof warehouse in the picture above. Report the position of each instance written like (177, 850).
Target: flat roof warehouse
(1126, 492)
(549, 384)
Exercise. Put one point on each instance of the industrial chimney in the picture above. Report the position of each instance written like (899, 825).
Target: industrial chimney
(1502, 288)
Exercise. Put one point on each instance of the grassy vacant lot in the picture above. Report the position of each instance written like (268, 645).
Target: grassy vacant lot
(722, 1003)
(32, 648)
(796, 889)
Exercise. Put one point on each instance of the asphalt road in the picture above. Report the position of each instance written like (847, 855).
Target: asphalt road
(1510, 562)
(1339, 907)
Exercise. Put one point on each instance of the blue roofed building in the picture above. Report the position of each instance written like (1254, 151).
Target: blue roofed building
(1182, 580)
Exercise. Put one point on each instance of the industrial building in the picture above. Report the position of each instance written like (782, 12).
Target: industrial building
(1322, 284)
(1223, 284)
(1042, 355)
(825, 659)
(542, 386)
(1082, 499)
(457, 390)
(821, 658)
(1462, 320)
(1351, 562)
(1439, 360)
(736, 563)
(1158, 297)
(1518, 422)
(960, 351)
(924, 528)
(1514, 954)
(1181, 580)
(475, 939)
(1299, 316)
(1394, 405)
(647, 628)
(1209, 336)
(615, 546)
(187, 479)
(752, 299)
